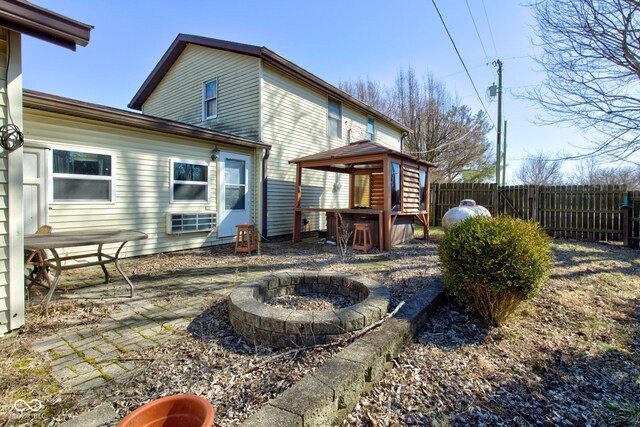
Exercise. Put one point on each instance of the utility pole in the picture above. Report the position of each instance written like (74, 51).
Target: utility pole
(498, 64)
(504, 155)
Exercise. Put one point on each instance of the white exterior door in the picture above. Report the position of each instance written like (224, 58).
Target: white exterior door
(35, 189)
(234, 192)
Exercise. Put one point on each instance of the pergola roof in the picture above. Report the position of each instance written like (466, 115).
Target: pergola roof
(347, 156)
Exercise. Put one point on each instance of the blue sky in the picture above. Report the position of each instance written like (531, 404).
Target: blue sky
(335, 40)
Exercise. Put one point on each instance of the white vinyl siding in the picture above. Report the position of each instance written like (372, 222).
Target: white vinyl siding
(179, 96)
(295, 122)
(142, 176)
(4, 212)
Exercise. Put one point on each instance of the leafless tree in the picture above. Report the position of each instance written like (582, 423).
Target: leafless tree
(590, 172)
(444, 131)
(368, 91)
(538, 169)
(591, 57)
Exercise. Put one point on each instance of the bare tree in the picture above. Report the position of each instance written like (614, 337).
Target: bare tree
(368, 91)
(540, 170)
(590, 172)
(444, 131)
(591, 57)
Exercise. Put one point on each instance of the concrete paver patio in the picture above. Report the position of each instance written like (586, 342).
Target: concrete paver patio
(84, 357)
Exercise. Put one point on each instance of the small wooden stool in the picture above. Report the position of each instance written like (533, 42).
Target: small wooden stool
(362, 237)
(246, 240)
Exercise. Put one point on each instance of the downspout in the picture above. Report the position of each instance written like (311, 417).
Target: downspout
(264, 191)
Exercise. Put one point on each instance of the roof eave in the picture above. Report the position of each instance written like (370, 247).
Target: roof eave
(171, 55)
(43, 24)
(56, 104)
(267, 55)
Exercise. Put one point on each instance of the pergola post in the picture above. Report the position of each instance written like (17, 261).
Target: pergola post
(297, 214)
(386, 216)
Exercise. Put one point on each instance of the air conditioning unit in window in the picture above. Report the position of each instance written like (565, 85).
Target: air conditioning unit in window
(179, 223)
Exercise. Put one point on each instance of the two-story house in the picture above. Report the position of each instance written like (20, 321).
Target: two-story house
(219, 123)
(253, 92)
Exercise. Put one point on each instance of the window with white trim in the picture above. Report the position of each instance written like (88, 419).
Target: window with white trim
(371, 129)
(189, 181)
(80, 176)
(334, 129)
(210, 99)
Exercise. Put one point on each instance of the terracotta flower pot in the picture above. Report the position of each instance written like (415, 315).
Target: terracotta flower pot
(180, 410)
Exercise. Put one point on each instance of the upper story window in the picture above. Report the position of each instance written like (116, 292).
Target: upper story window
(371, 129)
(189, 181)
(79, 176)
(210, 99)
(335, 119)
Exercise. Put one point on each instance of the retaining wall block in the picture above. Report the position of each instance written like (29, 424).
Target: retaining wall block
(310, 276)
(346, 379)
(327, 322)
(310, 399)
(275, 320)
(350, 319)
(283, 280)
(299, 322)
(324, 277)
(270, 416)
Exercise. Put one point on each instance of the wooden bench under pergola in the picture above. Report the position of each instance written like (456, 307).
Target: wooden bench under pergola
(383, 183)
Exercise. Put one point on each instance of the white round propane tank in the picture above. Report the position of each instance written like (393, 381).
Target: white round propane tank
(467, 209)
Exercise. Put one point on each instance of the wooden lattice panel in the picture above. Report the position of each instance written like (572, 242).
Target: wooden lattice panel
(411, 188)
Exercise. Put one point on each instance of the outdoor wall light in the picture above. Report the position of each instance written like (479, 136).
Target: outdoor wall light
(215, 153)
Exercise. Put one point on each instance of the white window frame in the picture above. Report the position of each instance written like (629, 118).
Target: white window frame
(111, 178)
(205, 99)
(332, 117)
(206, 183)
(371, 136)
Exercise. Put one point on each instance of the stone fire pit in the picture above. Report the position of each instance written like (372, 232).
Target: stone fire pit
(258, 322)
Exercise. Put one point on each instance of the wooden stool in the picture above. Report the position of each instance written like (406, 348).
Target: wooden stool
(362, 237)
(246, 241)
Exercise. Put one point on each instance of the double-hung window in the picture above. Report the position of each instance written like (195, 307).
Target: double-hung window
(335, 119)
(82, 177)
(210, 99)
(189, 181)
(371, 129)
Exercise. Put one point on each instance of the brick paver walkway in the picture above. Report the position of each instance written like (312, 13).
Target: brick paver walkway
(83, 357)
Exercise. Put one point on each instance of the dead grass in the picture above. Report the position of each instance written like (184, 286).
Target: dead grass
(569, 357)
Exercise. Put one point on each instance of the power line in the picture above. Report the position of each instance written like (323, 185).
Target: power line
(476, 27)
(462, 61)
(490, 31)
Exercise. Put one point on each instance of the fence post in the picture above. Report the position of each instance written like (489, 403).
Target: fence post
(625, 213)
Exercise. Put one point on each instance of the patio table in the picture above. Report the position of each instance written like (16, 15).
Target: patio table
(68, 239)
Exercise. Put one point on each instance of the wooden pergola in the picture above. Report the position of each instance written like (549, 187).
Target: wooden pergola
(382, 182)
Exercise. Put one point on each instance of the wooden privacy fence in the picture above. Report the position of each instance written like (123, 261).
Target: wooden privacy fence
(590, 213)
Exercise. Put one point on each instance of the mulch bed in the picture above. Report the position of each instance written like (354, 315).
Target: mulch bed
(570, 357)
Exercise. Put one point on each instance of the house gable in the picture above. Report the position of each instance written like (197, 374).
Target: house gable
(179, 95)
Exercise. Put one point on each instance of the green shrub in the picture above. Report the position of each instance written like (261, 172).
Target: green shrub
(492, 264)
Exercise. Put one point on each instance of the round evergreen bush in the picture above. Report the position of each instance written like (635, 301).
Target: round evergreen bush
(492, 264)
